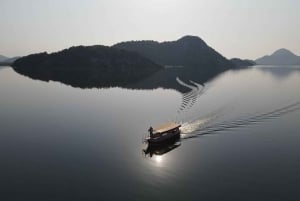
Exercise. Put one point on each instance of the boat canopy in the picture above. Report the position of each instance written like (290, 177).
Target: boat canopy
(166, 127)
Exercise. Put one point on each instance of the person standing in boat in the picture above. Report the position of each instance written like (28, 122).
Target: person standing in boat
(151, 132)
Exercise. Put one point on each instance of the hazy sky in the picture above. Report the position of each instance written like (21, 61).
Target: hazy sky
(235, 28)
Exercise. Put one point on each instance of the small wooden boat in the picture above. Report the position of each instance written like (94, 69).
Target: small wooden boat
(163, 133)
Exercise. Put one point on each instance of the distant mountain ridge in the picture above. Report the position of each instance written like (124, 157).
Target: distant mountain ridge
(6, 60)
(3, 58)
(188, 51)
(279, 57)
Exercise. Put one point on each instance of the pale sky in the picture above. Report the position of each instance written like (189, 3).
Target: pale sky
(235, 28)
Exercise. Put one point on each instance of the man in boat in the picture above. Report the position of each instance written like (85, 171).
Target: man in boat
(151, 132)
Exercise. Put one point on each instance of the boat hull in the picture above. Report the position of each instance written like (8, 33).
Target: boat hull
(161, 149)
(164, 138)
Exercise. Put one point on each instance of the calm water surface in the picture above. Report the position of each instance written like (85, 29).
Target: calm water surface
(240, 139)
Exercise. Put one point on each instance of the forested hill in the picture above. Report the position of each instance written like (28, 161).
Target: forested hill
(87, 66)
(188, 51)
(240, 63)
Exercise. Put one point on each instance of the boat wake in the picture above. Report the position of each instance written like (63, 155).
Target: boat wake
(208, 125)
(191, 97)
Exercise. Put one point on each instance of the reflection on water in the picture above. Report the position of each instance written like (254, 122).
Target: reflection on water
(3, 67)
(62, 142)
(280, 72)
(159, 150)
(166, 78)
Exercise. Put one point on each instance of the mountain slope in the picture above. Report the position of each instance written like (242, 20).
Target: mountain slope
(188, 51)
(8, 61)
(3, 58)
(242, 62)
(11, 60)
(279, 57)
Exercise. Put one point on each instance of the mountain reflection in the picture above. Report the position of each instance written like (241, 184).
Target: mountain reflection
(280, 72)
(166, 78)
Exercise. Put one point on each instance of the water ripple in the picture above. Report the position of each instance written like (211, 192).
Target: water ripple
(205, 126)
(190, 98)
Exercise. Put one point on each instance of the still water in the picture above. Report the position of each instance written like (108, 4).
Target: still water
(240, 139)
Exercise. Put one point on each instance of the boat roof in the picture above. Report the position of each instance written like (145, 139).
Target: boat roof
(166, 127)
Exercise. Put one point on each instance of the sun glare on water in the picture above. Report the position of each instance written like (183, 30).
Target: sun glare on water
(158, 159)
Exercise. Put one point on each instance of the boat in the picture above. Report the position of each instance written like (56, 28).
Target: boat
(163, 133)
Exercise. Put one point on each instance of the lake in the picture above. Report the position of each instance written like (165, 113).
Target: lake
(240, 139)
